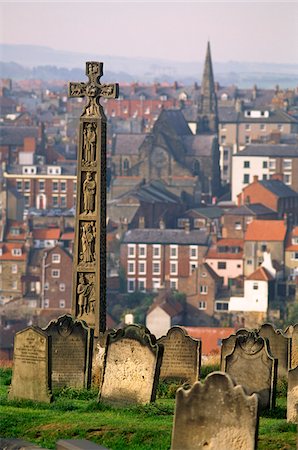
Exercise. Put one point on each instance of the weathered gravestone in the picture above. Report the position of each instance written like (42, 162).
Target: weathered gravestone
(77, 444)
(18, 444)
(89, 256)
(292, 332)
(251, 365)
(31, 378)
(292, 396)
(215, 415)
(132, 365)
(280, 347)
(228, 344)
(181, 357)
(71, 354)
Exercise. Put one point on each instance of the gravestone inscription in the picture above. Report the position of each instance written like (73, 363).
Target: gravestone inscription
(215, 415)
(132, 366)
(228, 344)
(279, 347)
(71, 354)
(292, 396)
(31, 377)
(181, 357)
(251, 365)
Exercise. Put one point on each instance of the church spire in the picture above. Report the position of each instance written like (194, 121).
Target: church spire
(207, 114)
(208, 95)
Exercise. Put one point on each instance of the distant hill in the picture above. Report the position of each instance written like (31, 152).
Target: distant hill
(33, 61)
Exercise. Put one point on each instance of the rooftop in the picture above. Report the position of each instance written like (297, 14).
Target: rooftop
(167, 236)
(261, 274)
(266, 230)
(270, 150)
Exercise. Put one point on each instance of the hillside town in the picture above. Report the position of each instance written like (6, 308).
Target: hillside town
(202, 205)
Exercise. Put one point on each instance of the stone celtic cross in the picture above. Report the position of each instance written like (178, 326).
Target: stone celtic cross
(89, 259)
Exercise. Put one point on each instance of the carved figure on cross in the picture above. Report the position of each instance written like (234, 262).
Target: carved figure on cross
(93, 89)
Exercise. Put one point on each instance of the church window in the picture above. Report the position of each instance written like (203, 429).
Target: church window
(126, 165)
(196, 167)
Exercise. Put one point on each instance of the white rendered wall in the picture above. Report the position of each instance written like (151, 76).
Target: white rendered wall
(253, 300)
(238, 171)
(158, 322)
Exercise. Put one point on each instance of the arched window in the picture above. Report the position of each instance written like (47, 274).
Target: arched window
(196, 167)
(126, 166)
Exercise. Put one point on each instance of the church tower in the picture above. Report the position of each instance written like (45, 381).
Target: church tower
(207, 109)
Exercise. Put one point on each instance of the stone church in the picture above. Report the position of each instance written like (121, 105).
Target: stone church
(187, 163)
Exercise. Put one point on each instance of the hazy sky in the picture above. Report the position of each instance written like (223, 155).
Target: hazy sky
(254, 31)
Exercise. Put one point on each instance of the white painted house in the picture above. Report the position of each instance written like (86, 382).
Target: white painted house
(262, 161)
(256, 293)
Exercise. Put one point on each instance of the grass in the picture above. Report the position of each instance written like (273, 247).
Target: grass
(78, 415)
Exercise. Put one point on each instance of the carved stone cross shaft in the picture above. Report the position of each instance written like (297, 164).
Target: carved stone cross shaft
(89, 259)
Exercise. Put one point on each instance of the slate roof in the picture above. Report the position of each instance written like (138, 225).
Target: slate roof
(253, 209)
(199, 145)
(175, 120)
(278, 188)
(10, 135)
(271, 150)
(210, 212)
(228, 114)
(266, 230)
(168, 236)
(128, 144)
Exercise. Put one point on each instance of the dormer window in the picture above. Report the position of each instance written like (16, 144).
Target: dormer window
(54, 170)
(29, 170)
(163, 97)
(16, 252)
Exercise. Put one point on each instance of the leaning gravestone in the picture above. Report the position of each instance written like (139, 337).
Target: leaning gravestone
(280, 347)
(132, 365)
(71, 353)
(181, 357)
(31, 377)
(215, 415)
(292, 396)
(251, 365)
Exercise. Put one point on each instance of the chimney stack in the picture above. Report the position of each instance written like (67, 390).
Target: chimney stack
(161, 224)
(142, 222)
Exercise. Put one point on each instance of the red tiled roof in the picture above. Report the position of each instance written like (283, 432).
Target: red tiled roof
(7, 252)
(67, 236)
(46, 233)
(266, 230)
(261, 274)
(229, 242)
(213, 252)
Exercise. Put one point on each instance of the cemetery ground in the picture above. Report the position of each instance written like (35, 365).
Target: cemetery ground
(76, 414)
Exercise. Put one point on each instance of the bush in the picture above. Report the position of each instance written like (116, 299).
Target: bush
(282, 387)
(205, 370)
(5, 376)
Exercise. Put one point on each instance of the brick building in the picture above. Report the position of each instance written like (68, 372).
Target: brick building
(235, 220)
(239, 126)
(274, 194)
(264, 236)
(159, 258)
(44, 186)
(13, 263)
(56, 280)
(291, 255)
